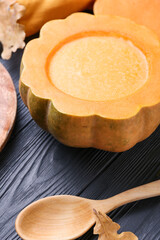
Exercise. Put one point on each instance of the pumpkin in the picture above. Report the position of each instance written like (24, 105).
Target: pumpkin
(145, 12)
(39, 12)
(93, 81)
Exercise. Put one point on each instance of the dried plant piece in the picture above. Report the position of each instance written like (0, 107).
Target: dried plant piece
(11, 33)
(107, 229)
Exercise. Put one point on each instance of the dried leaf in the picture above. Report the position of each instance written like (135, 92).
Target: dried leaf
(107, 229)
(11, 33)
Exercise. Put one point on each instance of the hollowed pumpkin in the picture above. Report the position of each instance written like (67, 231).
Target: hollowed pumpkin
(93, 81)
(145, 12)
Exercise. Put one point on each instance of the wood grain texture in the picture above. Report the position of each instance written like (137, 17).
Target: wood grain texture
(73, 214)
(8, 105)
(34, 165)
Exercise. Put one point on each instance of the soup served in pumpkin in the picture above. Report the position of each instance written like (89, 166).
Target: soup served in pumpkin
(98, 68)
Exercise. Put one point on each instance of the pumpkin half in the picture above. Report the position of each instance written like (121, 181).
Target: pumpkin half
(145, 12)
(93, 81)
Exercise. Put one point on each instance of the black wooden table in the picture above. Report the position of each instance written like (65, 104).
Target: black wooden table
(34, 165)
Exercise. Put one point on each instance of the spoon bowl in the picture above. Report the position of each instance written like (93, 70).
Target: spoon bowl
(65, 217)
(55, 218)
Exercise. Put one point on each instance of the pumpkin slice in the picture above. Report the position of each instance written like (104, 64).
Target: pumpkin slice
(38, 12)
(145, 12)
(93, 81)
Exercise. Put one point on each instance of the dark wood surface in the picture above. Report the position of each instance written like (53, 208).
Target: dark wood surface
(34, 165)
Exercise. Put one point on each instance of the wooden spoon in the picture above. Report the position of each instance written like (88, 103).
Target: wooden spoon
(68, 217)
(8, 105)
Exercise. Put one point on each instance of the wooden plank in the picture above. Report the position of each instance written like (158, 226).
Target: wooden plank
(34, 165)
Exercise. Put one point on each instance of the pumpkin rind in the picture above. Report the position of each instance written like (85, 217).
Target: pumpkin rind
(66, 117)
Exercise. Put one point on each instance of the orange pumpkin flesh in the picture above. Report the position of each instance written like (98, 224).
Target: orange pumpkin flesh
(93, 81)
(38, 12)
(145, 12)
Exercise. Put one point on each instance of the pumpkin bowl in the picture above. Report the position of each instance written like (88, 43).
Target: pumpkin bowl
(93, 81)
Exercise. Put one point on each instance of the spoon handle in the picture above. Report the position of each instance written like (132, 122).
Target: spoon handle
(138, 193)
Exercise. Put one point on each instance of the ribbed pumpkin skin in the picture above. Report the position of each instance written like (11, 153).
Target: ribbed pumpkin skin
(92, 131)
(82, 129)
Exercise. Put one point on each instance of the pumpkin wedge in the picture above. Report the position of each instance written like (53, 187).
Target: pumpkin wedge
(145, 12)
(93, 81)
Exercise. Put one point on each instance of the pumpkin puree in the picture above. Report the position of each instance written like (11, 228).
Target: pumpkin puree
(98, 68)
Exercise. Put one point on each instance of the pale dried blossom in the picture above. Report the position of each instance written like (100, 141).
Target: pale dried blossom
(11, 33)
